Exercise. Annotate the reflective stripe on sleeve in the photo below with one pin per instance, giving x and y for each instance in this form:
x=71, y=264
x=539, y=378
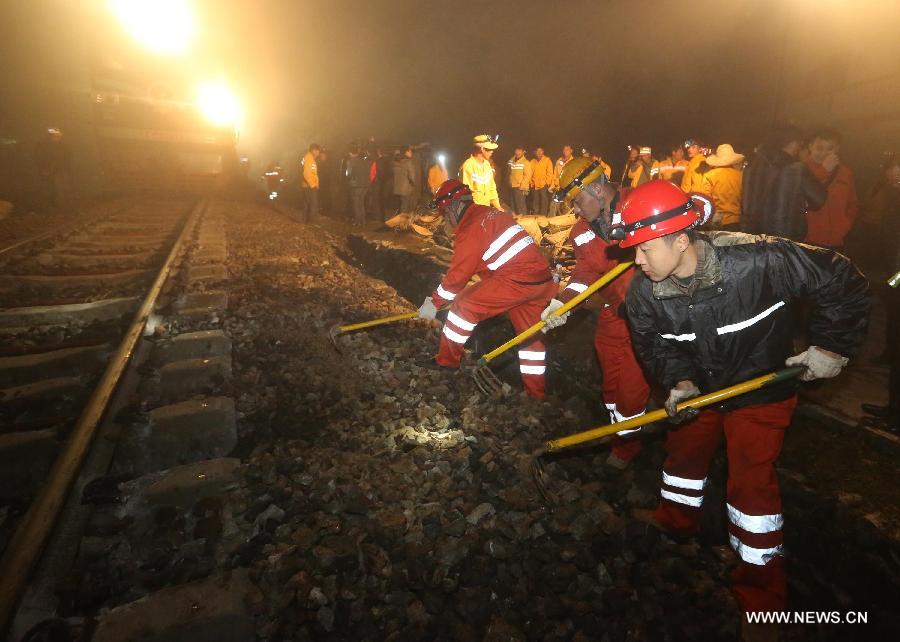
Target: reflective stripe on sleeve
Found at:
x=445, y=294
x=680, y=337
x=514, y=249
x=678, y=498
x=683, y=482
x=532, y=370
x=618, y=417
x=584, y=237
x=578, y=287
x=454, y=336
x=501, y=240
x=734, y=327
x=460, y=322
x=755, y=556
x=755, y=523
x=532, y=355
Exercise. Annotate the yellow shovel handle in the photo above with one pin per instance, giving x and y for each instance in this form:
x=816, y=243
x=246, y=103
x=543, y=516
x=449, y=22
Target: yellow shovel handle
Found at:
x=697, y=402
x=537, y=327
x=369, y=324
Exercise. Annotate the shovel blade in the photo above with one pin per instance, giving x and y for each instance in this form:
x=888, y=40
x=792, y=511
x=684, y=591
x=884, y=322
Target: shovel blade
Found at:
x=333, y=333
x=540, y=478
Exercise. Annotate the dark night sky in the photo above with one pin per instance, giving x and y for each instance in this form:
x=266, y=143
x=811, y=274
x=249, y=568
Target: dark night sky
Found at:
x=598, y=74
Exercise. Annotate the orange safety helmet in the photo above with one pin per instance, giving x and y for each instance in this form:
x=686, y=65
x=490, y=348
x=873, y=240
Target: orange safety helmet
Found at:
x=656, y=209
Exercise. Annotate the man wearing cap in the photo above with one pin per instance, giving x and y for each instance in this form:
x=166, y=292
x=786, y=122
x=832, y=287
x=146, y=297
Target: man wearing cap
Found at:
x=514, y=278
x=478, y=173
x=692, y=181
x=638, y=170
x=519, y=179
x=723, y=183
x=585, y=184
x=710, y=311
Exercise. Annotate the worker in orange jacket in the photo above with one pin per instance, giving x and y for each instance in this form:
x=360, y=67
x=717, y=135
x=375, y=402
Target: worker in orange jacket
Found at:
x=625, y=390
x=672, y=167
x=692, y=181
x=541, y=181
x=723, y=182
x=514, y=277
x=309, y=185
x=828, y=226
x=437, y=174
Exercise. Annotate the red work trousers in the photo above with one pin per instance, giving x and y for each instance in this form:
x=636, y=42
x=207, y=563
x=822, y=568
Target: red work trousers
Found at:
x=625, y=390
x=488, y=298
x=753, y=439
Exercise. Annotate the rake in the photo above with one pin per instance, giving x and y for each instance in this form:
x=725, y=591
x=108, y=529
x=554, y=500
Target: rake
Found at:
x=485, y=378
x=539, y=473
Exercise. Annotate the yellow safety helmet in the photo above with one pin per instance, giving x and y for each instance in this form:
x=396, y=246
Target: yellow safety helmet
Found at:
x=577, y=173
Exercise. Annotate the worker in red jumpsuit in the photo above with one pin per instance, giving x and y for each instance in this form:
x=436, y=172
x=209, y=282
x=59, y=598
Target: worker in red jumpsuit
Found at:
x=515, y=278
x=711, y=310
x=584, y=184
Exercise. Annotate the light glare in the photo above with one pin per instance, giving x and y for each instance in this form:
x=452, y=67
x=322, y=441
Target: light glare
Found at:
x=163, y=26
x=218, y=104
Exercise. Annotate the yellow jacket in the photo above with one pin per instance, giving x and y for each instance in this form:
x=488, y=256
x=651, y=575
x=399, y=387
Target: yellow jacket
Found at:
x=519, y=173
x=557, y=170
x=670, y=169
x=723, y=184
x=606, y=168
x=635, y=176
x=692, y=181
x=541, y=172
x=478, y=174
x=436, y=176
x=310, y=171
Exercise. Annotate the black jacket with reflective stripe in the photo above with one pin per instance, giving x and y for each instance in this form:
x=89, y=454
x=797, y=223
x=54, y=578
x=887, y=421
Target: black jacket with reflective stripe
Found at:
x=738, y=324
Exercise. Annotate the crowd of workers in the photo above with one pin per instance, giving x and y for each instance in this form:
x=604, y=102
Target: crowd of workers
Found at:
x=710, y=307
x=731, y=250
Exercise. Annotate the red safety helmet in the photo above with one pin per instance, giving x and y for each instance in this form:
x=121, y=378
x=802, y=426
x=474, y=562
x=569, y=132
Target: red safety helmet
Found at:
x=656, y=209
x=449, y=191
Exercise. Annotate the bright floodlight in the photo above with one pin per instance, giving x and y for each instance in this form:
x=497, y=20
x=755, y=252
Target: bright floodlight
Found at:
x=163, y=26
x=441, y=158
x=217, y=103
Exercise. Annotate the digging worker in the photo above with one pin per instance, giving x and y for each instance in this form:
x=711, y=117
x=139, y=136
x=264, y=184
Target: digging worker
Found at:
x=478, y=173
x=515, y=278
x=710, y=311
x=585, y=184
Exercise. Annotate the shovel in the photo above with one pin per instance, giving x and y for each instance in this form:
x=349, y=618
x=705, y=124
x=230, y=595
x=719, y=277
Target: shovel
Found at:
x=485, y=378
x=540, y=475
x=338, y=330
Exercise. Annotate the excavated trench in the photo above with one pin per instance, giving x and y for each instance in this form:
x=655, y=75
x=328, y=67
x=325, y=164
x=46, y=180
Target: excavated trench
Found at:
x=572, y=372
x=841, y=526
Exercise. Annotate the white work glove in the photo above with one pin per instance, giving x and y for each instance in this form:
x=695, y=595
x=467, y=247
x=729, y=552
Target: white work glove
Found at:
x=427, y=309
x=819, y=363
x=554, y=321
x=682, y=391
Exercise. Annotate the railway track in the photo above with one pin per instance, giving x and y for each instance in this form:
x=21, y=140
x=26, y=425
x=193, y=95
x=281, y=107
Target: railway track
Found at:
x=85, y=364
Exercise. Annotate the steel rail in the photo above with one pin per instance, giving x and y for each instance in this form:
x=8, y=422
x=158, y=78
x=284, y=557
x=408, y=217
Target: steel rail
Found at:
x=57, y=232
x=31, y=536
